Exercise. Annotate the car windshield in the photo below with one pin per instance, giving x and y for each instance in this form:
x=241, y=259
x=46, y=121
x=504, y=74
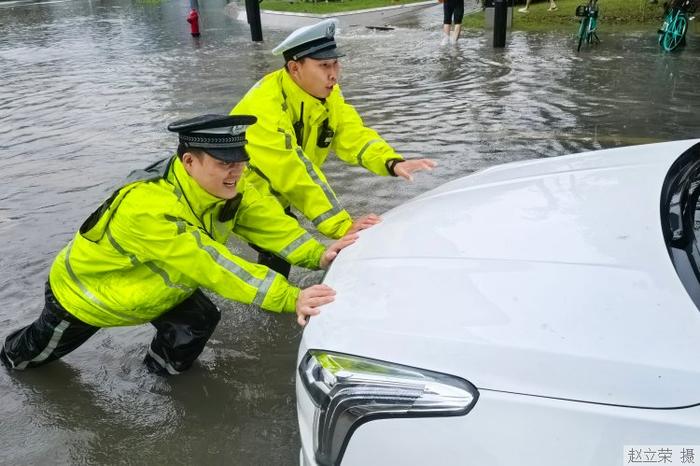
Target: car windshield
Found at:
x=680, y=212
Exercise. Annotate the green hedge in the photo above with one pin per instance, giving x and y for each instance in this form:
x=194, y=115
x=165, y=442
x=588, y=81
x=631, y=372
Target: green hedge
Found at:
x=334, y=6
x=614, y=15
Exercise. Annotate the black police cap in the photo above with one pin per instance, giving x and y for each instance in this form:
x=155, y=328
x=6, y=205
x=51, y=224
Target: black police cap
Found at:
x=221, y=136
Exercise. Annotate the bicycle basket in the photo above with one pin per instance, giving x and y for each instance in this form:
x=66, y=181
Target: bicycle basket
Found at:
x=689, y=6
x=581, y=11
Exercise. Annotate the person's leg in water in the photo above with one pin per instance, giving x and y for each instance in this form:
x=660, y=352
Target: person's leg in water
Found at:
x=448, y=7
x=181, y=334
x=445, y=34
x=55, y=333
x=458, y=16
x=455, y=34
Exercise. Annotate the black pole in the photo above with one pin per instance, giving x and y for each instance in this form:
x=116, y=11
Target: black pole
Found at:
x=252, y=10
x=500, y=22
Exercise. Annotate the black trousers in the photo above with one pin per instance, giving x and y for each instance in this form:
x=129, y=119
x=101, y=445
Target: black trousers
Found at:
x=181, y=334
x=453, y=11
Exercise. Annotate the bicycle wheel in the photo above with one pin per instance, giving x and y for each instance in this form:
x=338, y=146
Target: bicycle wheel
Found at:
x=675, y=32
x=682, y=28
x=591, y=30
x=582, y=31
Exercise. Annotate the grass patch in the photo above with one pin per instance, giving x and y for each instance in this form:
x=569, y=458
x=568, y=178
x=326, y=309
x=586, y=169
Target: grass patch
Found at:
x=322, y=7
x=615, y=15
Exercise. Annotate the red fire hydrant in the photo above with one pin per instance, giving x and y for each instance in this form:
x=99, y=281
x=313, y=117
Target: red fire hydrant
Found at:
x=193, y=19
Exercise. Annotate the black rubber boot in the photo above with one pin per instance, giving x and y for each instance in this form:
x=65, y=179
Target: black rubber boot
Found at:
x=3, y=357
x=181, y=334
x=153, y=367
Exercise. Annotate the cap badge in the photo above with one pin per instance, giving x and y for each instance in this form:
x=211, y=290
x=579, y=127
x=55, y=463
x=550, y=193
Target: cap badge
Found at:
x=330, y=31
x=238, y=129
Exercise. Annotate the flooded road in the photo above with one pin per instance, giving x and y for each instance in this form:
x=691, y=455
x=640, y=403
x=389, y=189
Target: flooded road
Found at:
x=88, y=88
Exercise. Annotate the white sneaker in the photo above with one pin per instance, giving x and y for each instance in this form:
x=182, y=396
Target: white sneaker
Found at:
x=445, y=40
x=522, y=10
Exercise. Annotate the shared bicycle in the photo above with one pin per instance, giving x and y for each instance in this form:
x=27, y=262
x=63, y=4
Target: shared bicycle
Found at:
x=587, y=30
x=676, y=17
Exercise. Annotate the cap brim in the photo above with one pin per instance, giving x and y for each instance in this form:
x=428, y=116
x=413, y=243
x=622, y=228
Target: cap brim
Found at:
x=237, y=154
x=326, y=54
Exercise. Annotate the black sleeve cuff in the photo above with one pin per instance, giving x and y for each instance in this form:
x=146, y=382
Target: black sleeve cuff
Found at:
x=390, y=164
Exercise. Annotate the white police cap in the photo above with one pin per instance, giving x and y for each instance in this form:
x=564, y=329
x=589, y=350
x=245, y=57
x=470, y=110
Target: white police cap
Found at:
x=316, y=41
x=221, y=136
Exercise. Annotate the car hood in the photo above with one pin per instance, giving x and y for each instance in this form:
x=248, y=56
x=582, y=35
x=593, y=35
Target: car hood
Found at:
x=548, y=278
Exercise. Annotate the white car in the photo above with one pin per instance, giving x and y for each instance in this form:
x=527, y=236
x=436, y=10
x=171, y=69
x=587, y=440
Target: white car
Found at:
x=541, y=313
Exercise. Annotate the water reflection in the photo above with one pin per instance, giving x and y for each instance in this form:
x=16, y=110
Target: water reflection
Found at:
x=88, y=88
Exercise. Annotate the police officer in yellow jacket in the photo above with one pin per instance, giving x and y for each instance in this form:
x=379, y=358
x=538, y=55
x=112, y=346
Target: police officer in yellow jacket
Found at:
x=146, y=252
x=302, y=116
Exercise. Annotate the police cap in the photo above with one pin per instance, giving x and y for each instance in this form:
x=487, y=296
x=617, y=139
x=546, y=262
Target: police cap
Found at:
x=316, y=41
x=221, y=136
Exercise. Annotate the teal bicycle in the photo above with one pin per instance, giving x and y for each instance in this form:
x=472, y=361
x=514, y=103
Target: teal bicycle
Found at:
x=587, y=30
x=672, y=33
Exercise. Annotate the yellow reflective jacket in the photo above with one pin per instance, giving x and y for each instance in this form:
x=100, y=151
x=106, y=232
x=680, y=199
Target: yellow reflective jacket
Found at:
x=290, y=168
x=154, y=242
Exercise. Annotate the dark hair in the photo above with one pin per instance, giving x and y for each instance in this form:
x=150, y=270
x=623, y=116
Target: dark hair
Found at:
x=301, y=60
x=182, y=148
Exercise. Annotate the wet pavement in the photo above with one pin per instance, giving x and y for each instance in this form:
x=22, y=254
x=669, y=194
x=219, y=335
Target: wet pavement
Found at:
x=87, y=90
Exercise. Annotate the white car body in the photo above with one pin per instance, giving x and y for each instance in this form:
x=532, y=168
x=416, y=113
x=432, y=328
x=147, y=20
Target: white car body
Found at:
x=547, y=284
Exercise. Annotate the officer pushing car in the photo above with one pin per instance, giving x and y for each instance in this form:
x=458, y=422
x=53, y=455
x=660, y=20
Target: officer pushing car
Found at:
x=302, y=116
x=147, y=252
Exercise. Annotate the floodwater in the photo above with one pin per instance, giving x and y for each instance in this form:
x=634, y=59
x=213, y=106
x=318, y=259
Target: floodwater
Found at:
x=87, y=89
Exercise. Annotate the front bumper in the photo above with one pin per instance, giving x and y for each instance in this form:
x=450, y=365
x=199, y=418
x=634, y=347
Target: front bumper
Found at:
x=507, y=429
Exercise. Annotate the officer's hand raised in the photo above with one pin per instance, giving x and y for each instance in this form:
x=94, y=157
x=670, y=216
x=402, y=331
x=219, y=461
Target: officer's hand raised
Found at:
x=333, y=250
x=310, y=299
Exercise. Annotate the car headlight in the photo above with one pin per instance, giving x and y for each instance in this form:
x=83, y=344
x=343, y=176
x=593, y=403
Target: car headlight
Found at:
x=349, y=391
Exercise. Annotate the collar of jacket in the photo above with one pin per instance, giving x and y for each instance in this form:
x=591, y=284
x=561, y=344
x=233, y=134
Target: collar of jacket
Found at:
x=198, y=198
x=315, y=109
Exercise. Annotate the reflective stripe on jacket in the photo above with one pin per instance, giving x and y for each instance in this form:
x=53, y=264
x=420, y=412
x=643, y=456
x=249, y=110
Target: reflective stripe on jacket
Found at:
x=292, y=170
x=154, y=242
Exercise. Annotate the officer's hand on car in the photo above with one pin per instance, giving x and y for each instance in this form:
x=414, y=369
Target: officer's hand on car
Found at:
x=405, y=168
x=364, y=222
x=332, y=251
x=310, y=299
